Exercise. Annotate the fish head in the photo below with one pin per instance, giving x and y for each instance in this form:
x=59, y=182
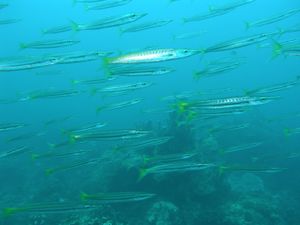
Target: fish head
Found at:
x=185, y=52
x=136, y=16
x=166, y=70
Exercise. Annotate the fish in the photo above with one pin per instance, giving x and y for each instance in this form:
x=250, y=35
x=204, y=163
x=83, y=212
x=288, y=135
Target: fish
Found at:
x=52, y=154
x=48, y=94
x=274, y=88
x=48, y=44
x=74, y=165
x=118, y=105
x=59, y=144
x=272, y=19
x=57, y=120
x=143, y=144
x=14, y=152
x=22, y=137
x=240, y=147
x=287, y=49
x=188, y=35
x=88, y=127
x=232, y=5
x=149, y=56
x=11, y=126
x=79, y=57
x=239, y=42
x=109, y=135
x=229, y=128
x=251, y=169
x=205, y=16
x=3, y=5
x=212, y=70
x=117, y=197
x=123, y=87
x=108, y=22
x=107, y=4
x=57, y=29
x=291, y=131
x=133, y=71
x=93, y=81
x=49, y=207
x=9, y=21
x=28, y=64
x=145, y=26
x=49, y=73
x=169, y=158
x=225, y=103
x=174, y=167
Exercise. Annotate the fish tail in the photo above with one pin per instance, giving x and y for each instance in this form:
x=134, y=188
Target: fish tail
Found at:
x=49, y=171
x=222, y=169
x=248, y=25
x=22, y=46
x=197, y=75
x=64, y=131
x=83, y=196
x=86, y=7
x=184, y=20
x=121, y=32
x=146, y=159
x=221, y=151
x=287, y=132
x=74, y=82
x=51, y=145
x=277, y=49
x=9, y=211
x=34, y=156
x=99, y=109
x=142, y=173
x=107, y=61
x=72, y=138
x=93, y=91
x=74, y=26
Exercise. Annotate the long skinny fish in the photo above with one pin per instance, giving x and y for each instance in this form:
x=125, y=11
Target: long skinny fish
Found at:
x=240, y=147
x=57, y=29
x=133, y=71
x=9, y=21
x=107, y=4
x=148, y=56
x=226, y=103
x=212, y=70
x=48, y=44
x=119, y=105
x=28, y=64
x=79, y=57
x=50, y=207
x=116, y=197
x=175, y=167
x=123, y=87
x=13, y=152
x=109, y=135
x=274, y=88
x=108, y=22
x=76, y=164
x=273, y=19
x=239, y=42
x=145, y=26
x=149, y=142
x=10, y=126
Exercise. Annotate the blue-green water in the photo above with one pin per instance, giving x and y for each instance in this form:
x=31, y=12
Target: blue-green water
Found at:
x=217, y=163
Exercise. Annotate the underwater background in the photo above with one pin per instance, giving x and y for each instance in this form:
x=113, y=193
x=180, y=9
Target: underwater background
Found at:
x=187, y=114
